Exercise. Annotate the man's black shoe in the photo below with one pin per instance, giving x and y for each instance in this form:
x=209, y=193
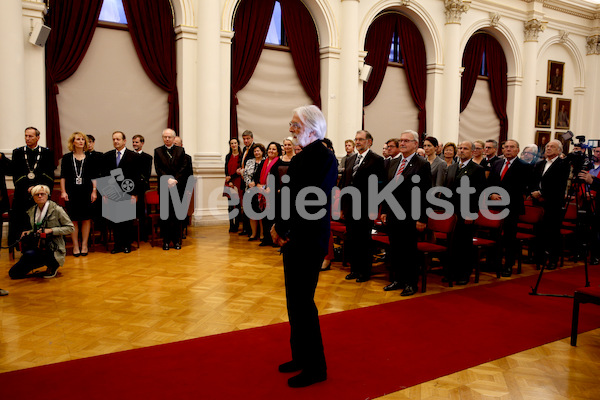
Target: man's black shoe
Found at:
x=393, y=286
x=551, y=266
x=306, y=378
x=351, y=275
x=595, y=261
x=462, y=282
x=507, y=273
x=177, y=246
x=116, y=250
x=408, y=291
x=290, y=366
x=165, y=246
x=363, y=278
x=126, y=250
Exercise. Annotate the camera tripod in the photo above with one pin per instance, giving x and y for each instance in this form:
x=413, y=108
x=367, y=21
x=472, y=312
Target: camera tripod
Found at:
x=574, y=199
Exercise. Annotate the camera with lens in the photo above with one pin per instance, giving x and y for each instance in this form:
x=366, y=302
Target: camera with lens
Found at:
x=34, y=240
x=580, y=160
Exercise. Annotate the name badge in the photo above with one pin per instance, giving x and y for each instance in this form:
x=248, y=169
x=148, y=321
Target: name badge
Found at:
x=79, y=181
x=31, y=175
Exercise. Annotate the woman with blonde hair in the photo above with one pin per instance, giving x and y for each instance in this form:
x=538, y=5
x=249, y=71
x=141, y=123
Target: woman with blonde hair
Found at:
x=78, y=174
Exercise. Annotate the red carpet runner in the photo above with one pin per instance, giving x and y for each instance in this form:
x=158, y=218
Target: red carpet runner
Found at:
x=370, y=351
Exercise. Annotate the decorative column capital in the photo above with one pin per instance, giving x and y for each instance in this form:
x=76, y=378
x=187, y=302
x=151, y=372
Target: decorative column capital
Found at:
x=455, y=9
x=563, y=36
x=404, y=3
x=532, y=29
x=494, y=19
x=593, y=44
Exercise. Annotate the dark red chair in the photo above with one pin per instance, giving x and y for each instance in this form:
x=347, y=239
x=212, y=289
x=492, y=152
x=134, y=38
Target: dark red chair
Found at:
x=532, y=216
x=582, y=295
x=439, y=227
x=153, y=212
x=487, y=237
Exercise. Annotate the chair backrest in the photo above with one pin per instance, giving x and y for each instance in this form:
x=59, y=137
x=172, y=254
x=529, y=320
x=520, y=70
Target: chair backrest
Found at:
x=445, y=225
x=571, y=211
x=533, y=215
x=485, y=222
x=151, y=197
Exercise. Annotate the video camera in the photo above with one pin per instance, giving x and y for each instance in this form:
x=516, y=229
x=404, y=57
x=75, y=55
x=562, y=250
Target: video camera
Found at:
x=34, y=240
x=581, y=160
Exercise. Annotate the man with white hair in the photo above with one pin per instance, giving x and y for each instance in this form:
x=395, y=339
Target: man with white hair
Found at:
x=304, y=242
x=410, y=171
x=529, y=154
x=547, y=189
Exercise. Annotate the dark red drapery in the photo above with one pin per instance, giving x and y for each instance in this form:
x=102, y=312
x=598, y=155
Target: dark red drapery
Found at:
x=497, y=69
x=73, y=24
x=153, y=36
x=304, y=46
x=472, y=64
x=377, y=45
x=251, y=26
x=415, y=65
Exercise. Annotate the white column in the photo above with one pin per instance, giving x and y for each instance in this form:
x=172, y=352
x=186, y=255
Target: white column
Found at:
x=435, y=103
x=12, y=76
x=349, y=114
x=513, y=106
x=186, y=42
x=452, y=69
x=592, y=81
x=34, y=68
x=330, y=60
x=527, y=109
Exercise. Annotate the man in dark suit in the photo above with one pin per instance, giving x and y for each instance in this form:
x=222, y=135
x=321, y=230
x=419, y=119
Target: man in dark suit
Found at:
x=171, y=161
x=460, y=261
x=491, y=155
x=357, y=171
x=304, y=243
x=128, y=161
x=145, y=172
x=408, y=172
x=248, y=139
x=512, y=175
x=189, y=171
x=31, y=165
x=547, y=189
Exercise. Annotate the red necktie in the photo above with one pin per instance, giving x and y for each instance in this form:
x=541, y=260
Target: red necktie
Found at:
x=504, y=170
x=402, y=166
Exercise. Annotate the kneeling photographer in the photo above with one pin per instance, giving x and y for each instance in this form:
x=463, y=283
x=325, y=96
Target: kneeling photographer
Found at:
x=43, y=244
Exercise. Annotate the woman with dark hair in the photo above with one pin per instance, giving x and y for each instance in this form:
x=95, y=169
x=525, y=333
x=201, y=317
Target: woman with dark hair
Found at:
x=250, y=170
x=78, y=173
x=233, y=182
x=449, y=153
x=438, y=167
x=260, y=179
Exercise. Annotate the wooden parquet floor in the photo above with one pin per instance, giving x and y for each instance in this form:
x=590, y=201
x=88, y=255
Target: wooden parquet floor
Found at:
x=219, y=282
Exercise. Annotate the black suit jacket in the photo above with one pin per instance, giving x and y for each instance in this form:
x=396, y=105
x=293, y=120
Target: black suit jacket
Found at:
x=145, y=169
x=44, y=171
x=552, y=184
x=515, y=182
x=130, y=165
x=314, y=166
x=487, y=165
x=417, y=166
x=476, y=175
x=175, y=165
x=372, y=165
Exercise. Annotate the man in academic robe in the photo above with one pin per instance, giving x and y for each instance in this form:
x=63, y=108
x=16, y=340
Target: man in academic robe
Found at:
x=170, y=161
x=145, y=172
x=32, y=165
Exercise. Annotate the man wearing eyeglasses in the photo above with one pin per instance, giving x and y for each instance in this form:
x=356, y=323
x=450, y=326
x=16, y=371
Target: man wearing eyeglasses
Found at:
x=410, y=171
x=490, y=150
x=359, y=167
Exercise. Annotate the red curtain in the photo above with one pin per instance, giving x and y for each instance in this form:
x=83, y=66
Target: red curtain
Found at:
x=73, y=24
x=151, y=29
x=378, y=44
x=497, y=69
x=251, y=26
x=304, y=46
x=415, y=65
x=472, y=64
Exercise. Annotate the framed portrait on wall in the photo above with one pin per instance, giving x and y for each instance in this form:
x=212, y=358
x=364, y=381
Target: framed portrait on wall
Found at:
x=541, y=140
x=543, y=112
x=563, y=114
x=566, y=143
x=556, y=72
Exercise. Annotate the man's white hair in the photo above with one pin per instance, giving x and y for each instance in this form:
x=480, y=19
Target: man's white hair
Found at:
x=313, y=120
x=414, y=134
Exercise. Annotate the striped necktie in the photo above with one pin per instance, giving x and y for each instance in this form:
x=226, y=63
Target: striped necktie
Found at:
x=356, y=164
x=401, y=168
